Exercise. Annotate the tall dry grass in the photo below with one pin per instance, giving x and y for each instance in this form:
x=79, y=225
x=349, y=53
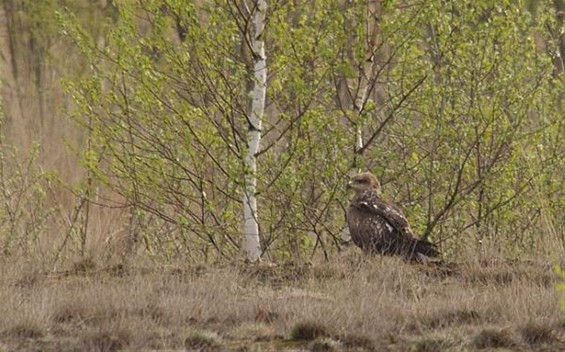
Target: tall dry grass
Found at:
x=351, y=303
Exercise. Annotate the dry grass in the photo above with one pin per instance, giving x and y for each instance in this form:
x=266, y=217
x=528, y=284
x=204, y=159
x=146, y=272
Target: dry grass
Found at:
x=493, y=338
x=351, y=303
x=536, y=333
x=308, y=330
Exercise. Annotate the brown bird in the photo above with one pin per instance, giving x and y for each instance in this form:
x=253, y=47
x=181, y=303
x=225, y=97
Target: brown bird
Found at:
x=377, y=226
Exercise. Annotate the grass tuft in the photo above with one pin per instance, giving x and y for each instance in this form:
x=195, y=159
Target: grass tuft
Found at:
x=308, y=331
x=29, y=280
x=69, y=312
x=278, y=274
x=505, y=273
x=84, y=266
x=23, y=331
x=537, y=333
x=256, y=332
x=490, y=338
x=358, y=342
x=325, y=345
x=203, y=341
x=429, y=345
x=454, y=317
x=263, y=315
x=106, y=340
x=119, y=270
x=153, y=312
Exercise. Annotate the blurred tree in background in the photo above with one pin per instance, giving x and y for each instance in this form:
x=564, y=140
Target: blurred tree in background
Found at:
x=457, y=107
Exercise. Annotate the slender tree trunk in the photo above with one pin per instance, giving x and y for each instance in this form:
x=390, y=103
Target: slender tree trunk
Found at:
x=361, y=92
x=361, y=98
x=251, y=224
x=358, y=105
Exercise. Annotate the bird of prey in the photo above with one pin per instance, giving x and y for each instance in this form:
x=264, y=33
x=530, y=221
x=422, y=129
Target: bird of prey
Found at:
x=377, y=226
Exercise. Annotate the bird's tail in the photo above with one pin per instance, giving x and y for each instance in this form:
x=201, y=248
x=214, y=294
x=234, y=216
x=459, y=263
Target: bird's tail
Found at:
x=426, y=248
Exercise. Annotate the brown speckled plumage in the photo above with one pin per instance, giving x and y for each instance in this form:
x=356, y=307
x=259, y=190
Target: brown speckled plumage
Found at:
x=377, y=226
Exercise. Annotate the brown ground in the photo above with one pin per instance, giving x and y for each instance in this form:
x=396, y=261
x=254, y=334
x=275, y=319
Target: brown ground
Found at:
x=349, y=304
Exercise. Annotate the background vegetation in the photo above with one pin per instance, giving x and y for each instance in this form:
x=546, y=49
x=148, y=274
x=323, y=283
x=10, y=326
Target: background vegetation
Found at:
x=125, y=125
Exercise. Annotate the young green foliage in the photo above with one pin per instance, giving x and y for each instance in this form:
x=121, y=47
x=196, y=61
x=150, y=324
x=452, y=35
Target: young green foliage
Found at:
x=454, y=106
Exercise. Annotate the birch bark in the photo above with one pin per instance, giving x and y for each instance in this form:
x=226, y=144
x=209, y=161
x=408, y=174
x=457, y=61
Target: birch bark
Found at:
x=258, y=93
x=362, y=89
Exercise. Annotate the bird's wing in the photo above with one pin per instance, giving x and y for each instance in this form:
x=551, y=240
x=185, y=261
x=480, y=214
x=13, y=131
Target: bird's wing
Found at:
x=372, y=204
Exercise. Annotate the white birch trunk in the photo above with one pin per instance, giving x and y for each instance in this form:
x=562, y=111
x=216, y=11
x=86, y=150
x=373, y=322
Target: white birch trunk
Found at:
x=360, y=99
x=251, y=224
x=365, y=73
x=359, y=102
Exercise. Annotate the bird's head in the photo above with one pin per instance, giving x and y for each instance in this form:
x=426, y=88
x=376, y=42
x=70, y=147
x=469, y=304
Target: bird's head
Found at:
x=363, y=182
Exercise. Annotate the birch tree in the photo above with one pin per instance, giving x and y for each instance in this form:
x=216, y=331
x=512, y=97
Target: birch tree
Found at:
x=216, y=165
x=369, y=55
x=363, y=29
x=258, y=94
